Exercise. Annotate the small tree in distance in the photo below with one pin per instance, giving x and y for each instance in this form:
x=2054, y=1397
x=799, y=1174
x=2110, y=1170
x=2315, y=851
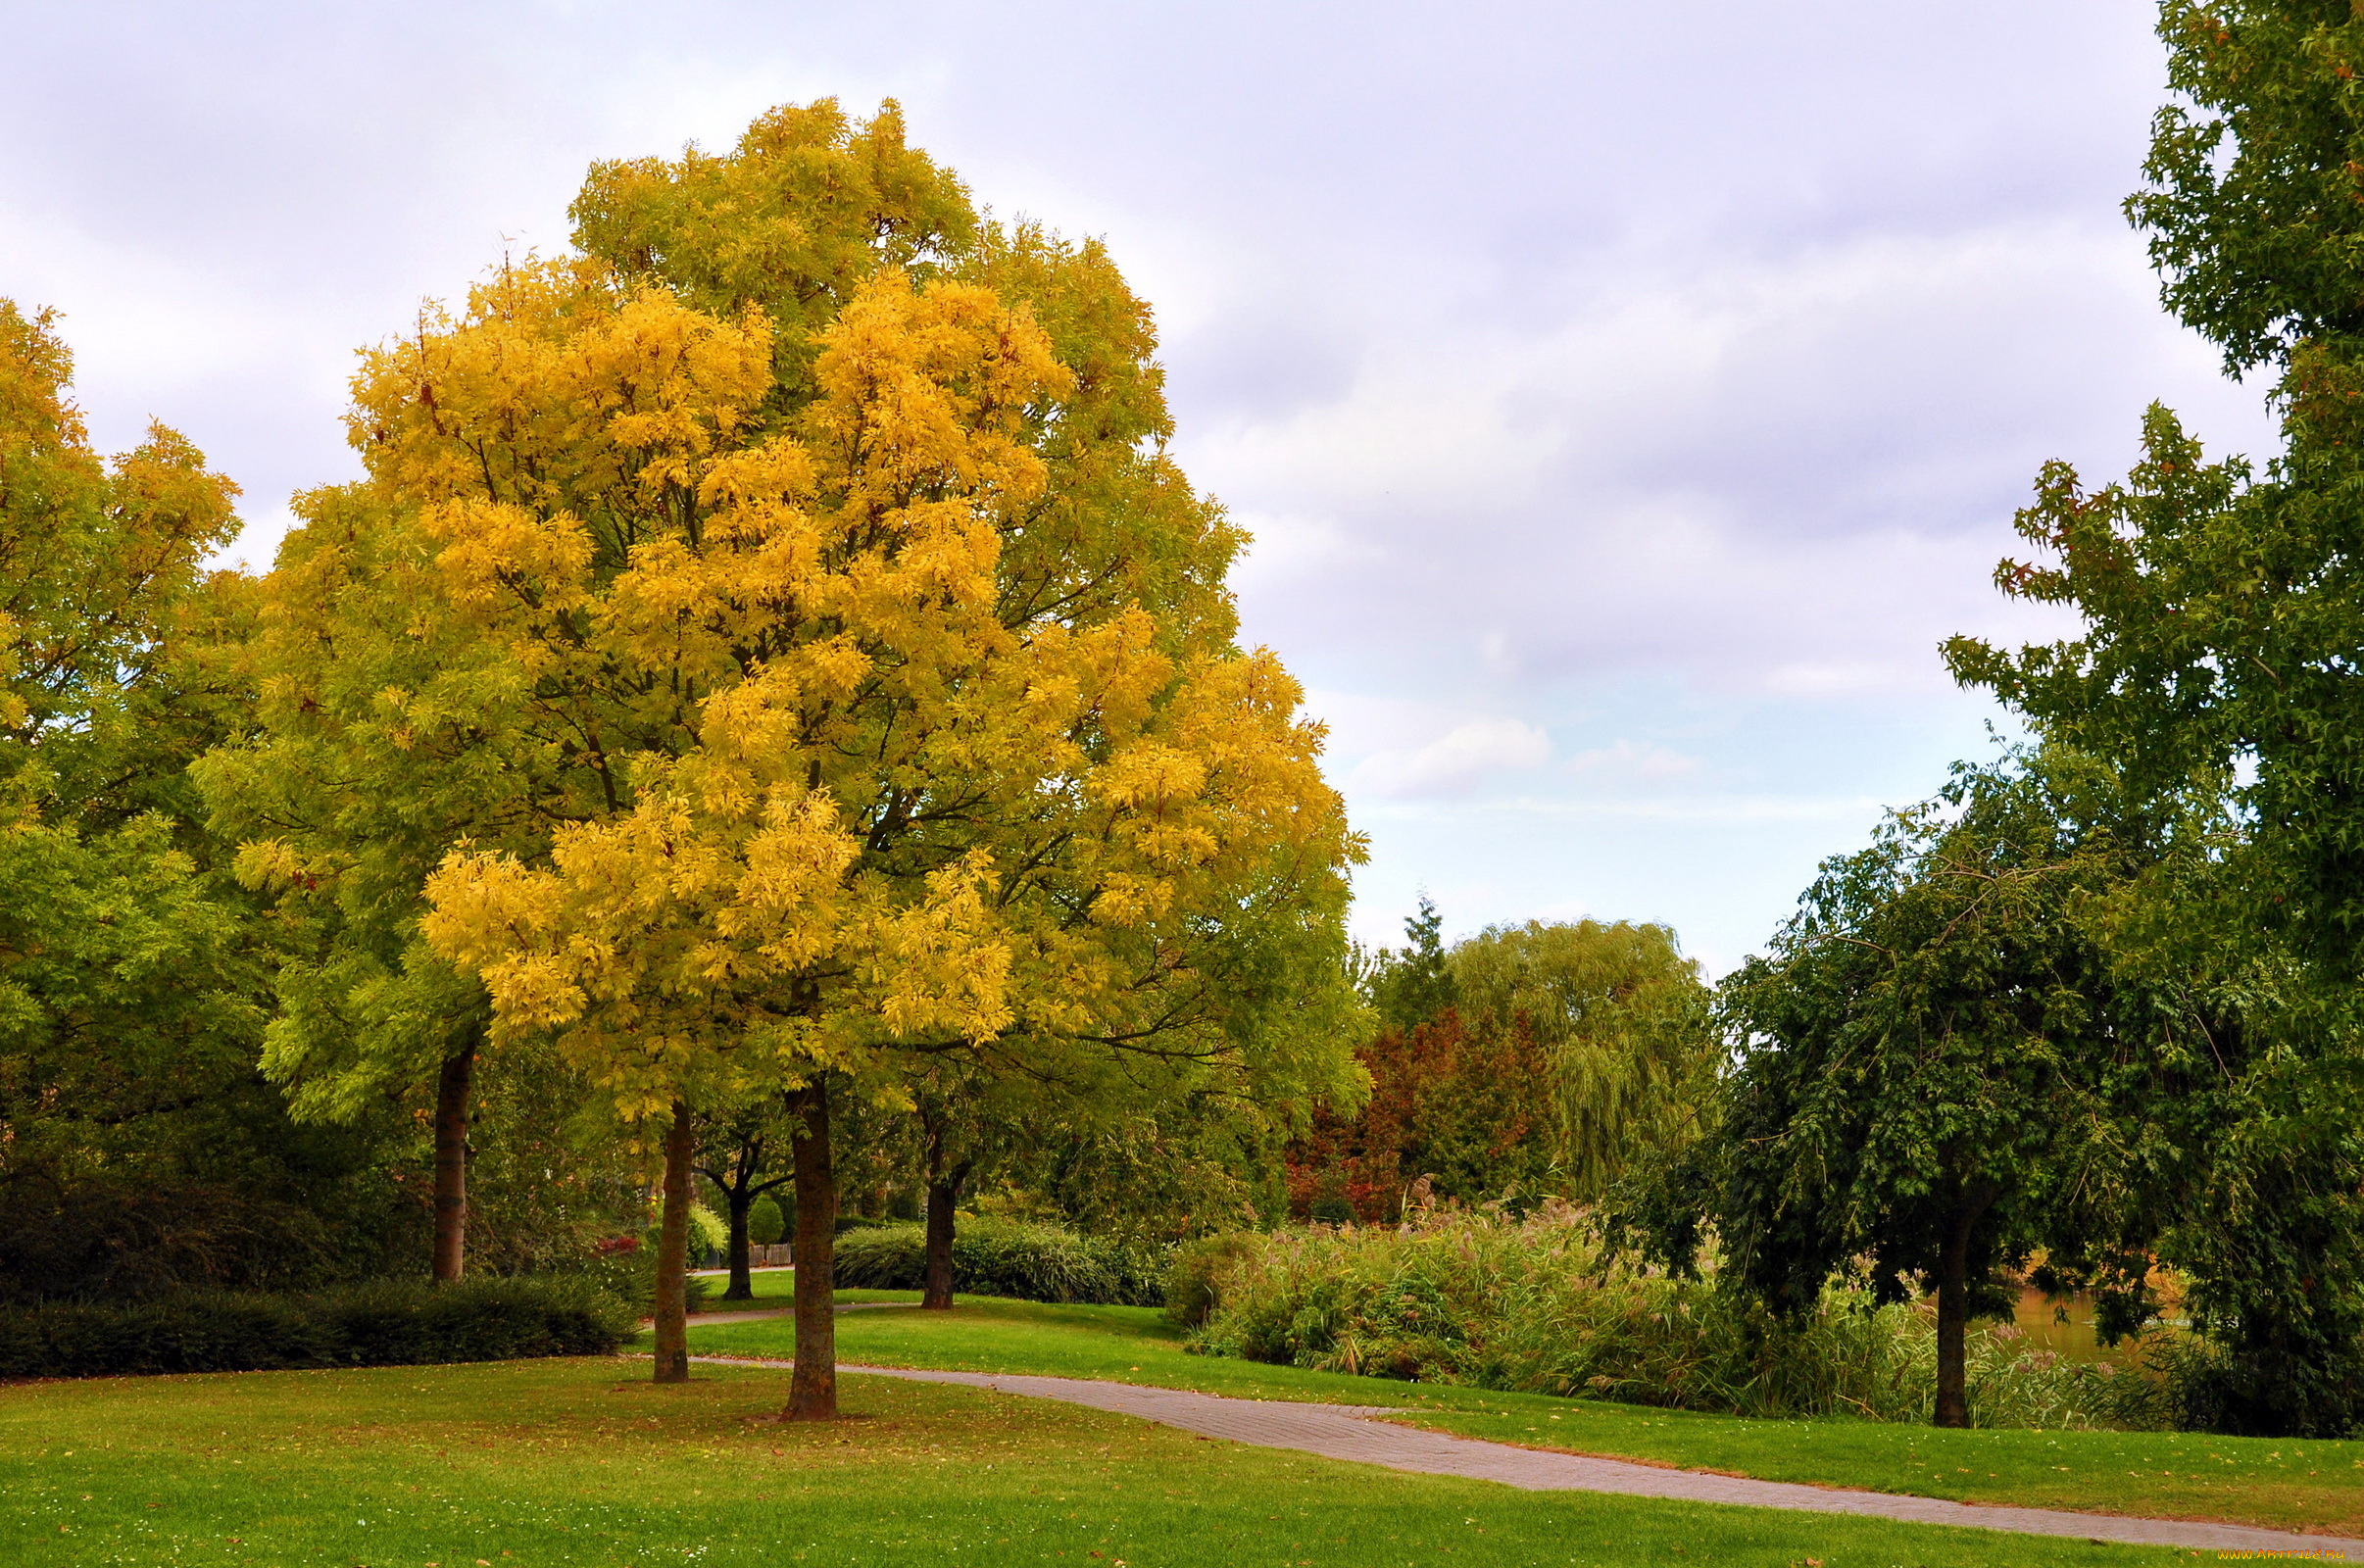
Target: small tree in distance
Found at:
x=1924, y=1055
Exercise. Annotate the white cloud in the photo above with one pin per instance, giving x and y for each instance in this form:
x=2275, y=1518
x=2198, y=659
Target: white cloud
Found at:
x=1454, y=764
x=1626, y=763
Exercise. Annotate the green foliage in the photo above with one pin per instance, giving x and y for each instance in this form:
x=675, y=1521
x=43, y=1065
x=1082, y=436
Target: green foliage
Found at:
x=1621, y=1020
x=2221, y=610
x=1194, y=1274
x=383, y=1324
x=109, y=625
x=629, y=1275
x=1004, y=1258
x=1910, y=1050
x=1538, y=1060
x=141, y=1154
x=2252, y=177
x=1930, y=1057
x=707, y=1231
x=545, y=1184
x=1473, y=1300
x=1410, y=985
x=766, y=1224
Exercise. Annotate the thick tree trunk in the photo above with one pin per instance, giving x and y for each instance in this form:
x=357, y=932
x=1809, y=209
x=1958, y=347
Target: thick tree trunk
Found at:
x=942, y=1195
x=450, y=1162
x=742, y=1281
x=812, y=1387
x=672, y=1251
x=1953, y=1310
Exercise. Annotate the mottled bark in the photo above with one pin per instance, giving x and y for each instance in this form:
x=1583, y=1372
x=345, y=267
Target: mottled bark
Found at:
x=672, y=1251
x=813, y=1386
x=450, y=1162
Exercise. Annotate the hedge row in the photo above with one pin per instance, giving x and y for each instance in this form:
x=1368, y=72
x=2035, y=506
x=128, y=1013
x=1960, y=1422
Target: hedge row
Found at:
x=1003, y=1257
x=384, y=1324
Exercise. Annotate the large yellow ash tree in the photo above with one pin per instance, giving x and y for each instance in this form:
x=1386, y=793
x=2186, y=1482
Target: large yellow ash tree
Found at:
x=389, y=730
x=884, y=678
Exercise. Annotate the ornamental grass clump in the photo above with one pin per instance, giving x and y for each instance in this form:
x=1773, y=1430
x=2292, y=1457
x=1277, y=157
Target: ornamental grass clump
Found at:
x=1479, y=1299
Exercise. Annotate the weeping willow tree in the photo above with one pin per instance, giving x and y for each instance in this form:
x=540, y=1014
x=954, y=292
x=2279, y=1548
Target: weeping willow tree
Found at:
x=1621, y=1021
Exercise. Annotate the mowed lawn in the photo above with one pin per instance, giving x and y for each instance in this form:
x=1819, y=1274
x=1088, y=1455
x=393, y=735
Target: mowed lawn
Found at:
x=526, y=1464
x=2283, y=1484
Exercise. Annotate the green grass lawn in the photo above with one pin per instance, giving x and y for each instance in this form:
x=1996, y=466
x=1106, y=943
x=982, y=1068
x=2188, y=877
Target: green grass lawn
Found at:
x=2284, y=1484
x=775, y=1291
x=528, y=1464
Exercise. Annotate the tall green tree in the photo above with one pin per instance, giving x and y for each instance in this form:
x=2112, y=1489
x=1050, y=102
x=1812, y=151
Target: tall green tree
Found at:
x=380, y=739
x=2223, y=647
x=1923, y=1066
x=137, y=1148
x=1407, y=986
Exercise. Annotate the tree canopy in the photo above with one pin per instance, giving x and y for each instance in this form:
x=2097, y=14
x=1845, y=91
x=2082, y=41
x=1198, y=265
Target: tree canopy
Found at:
x=873, y=708
x=2222, y=652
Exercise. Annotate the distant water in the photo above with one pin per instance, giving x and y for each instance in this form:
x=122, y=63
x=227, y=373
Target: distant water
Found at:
x=2039, y=1320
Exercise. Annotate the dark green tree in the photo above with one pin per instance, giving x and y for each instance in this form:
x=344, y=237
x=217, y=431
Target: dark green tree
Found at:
x=140, y=1150
x=744, y=1153
x=1923, y=1067
x=2223, y=645
x=1407, y=986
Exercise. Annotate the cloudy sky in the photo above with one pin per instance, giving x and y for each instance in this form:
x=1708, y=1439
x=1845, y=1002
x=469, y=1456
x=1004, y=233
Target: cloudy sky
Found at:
x=1625, y=399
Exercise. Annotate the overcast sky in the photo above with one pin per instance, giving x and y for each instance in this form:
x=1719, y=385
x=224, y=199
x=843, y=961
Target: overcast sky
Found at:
x=1625, y=399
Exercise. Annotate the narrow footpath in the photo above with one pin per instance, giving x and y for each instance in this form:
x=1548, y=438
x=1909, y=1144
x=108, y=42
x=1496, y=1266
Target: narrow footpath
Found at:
x=1349, y=1432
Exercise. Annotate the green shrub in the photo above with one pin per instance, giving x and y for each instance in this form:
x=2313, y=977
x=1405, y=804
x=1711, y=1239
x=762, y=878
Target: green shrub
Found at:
x=388, y=1323
x=1490, y=1302
x=1006, y=1258
x=766, y=1224
x=629, y=1275
x=1194, y=1274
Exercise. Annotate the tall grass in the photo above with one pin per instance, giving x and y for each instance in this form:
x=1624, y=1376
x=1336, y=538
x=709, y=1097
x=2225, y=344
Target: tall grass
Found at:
x=1482, y=1301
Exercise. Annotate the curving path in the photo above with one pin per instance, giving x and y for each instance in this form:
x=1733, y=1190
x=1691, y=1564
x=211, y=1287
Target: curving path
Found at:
x=1347, y=1432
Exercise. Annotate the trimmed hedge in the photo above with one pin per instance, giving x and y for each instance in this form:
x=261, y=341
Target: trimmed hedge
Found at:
x=389, y=1323
x=1005, y=1257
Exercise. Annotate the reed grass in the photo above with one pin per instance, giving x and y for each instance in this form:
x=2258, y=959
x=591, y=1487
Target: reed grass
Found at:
x=1481, y=1300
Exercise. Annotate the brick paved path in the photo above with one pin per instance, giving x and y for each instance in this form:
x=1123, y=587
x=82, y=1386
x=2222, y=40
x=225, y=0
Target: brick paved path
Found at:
x=1347, y=1432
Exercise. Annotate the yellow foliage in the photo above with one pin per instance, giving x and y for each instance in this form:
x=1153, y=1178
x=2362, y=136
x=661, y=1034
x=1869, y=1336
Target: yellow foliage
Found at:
x=895, y=685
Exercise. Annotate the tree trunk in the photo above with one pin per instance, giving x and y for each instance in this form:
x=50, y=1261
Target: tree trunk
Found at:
x=742, y=1281
x=812, y=1387
x=942, y=1195
x=672, y=1251
x=1954, y=1309
x=450, y=1162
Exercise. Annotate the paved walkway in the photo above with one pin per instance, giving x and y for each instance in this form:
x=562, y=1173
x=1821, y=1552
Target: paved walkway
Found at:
x=1347, y=1432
